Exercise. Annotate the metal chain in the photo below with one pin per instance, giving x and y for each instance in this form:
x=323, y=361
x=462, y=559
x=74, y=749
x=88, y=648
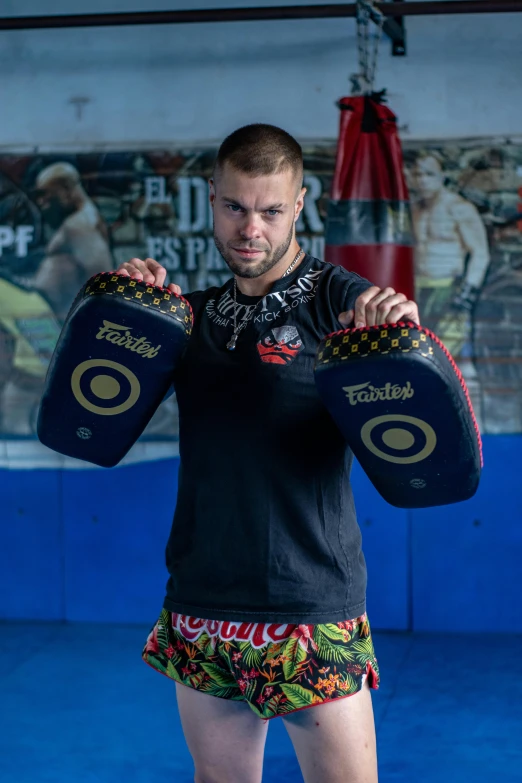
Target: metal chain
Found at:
x=231, y=345
x=376, y=42
x=361, y=21
x=363, y=82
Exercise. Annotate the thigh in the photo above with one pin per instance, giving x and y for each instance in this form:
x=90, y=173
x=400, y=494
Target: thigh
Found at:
x=335, y=741
x=225, y=738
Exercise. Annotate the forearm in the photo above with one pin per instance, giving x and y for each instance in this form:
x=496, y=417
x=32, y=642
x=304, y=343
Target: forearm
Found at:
x=477, y=266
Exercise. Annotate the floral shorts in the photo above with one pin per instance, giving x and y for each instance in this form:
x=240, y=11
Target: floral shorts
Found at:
x=276, y=669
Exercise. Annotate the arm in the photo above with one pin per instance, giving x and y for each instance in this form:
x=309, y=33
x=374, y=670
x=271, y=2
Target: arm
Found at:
x=57, y=243
x=473, y=236
x=357, y=303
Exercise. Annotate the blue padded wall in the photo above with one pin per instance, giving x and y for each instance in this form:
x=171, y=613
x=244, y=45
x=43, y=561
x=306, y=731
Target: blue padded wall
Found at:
x=89, y=545
x=31, y=545
x=116, y=526
x=467, y=558
x=386, y=543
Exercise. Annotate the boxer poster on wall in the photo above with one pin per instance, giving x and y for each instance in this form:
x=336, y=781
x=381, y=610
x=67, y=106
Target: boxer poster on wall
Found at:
x=65, y=217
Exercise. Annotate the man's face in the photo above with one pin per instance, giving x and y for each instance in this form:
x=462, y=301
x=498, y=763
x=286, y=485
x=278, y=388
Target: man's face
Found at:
x=429, y=177
x=254, y=218
x=49, y=192
x=55, y=201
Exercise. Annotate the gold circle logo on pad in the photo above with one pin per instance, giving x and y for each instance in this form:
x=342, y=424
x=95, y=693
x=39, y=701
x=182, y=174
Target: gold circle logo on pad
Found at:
x=105, y=387
x=399, y=438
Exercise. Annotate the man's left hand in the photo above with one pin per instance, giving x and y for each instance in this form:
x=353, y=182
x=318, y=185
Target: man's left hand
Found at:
x=380, y=306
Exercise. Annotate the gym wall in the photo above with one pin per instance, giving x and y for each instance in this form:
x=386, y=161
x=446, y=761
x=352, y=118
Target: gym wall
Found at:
x=139, y=112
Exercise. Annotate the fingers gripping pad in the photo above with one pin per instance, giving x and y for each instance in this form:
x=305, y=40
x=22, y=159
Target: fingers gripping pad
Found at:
x=399, y=399
x=111, y=368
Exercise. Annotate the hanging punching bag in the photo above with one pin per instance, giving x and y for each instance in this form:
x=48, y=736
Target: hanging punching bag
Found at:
x=368, y=227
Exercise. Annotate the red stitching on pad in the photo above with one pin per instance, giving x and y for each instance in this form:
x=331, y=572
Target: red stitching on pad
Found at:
x=441, y=345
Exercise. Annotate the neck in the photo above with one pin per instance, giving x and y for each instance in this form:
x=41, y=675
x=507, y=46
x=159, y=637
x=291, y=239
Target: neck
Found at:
x=260, y=286
x=431, y=200
x=79, y=198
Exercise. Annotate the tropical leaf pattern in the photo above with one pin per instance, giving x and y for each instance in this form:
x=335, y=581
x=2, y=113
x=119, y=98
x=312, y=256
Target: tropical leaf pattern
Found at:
x=312, y=665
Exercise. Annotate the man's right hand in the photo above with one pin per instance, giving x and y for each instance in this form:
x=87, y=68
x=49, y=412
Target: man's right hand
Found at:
x=149, y=271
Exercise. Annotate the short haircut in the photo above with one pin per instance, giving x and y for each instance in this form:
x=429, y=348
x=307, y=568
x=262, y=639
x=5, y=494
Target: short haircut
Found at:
x=260, y=150
x=62, y=174
x=430, y=155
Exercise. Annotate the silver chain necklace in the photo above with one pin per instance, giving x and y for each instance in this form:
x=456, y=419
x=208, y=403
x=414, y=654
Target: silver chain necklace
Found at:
x=231, y=345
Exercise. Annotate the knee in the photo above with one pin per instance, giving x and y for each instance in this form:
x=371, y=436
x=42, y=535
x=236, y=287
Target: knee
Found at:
x=210, y=775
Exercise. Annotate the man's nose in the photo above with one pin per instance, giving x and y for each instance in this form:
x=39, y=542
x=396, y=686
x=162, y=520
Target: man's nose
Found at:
x=250, y=226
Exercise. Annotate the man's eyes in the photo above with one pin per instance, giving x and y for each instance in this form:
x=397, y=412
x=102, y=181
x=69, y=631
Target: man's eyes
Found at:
x=236, y=208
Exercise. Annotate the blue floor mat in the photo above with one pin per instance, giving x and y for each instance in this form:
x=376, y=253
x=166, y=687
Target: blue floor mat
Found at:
x=78, y=705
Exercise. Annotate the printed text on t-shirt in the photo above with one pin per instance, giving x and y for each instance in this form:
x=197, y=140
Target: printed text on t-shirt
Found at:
x=268, y=309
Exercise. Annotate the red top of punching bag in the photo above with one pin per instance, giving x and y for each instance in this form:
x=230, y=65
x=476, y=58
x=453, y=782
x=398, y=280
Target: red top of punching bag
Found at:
x=369, y=162
x=369, y=226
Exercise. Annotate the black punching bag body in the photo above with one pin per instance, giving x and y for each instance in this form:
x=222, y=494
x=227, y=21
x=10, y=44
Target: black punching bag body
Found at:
x=369, y=221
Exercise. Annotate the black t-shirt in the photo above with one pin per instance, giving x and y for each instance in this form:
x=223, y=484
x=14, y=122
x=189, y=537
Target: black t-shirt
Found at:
x=265, y=527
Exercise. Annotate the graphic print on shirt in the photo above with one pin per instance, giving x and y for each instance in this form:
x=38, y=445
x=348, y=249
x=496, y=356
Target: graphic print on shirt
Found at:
x=271, y=307
x=280, y=345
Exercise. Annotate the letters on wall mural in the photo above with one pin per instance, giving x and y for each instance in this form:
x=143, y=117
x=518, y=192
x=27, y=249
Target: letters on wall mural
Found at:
x=65, y=217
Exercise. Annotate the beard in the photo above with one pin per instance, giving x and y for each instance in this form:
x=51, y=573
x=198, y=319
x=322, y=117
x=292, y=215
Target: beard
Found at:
x=55, y=213
x=250, y=269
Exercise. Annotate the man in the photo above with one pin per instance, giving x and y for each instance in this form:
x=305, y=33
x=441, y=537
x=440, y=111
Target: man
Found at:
x=451, y=238
x=79, y=248
x=265, y=604
x=451, y=260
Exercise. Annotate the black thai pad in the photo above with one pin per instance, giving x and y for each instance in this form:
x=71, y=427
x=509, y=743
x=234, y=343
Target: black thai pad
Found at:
x=111, y=368
x=400, y=401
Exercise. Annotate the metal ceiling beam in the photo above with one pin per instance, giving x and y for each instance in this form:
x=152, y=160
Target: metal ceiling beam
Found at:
x=329, y=11
x=445, y=7
x=398, y=37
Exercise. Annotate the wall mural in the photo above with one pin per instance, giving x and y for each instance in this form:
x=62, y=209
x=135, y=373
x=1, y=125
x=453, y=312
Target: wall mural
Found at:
x=65, y=217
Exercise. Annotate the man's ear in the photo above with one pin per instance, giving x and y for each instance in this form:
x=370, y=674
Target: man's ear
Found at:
x=299, y=204
x=212, y=192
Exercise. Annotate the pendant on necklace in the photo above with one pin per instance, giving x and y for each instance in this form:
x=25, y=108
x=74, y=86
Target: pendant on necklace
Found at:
x=231, y=345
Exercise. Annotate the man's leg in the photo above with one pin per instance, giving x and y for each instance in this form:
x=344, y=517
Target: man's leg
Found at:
x=335, y=742
x=225, y=738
